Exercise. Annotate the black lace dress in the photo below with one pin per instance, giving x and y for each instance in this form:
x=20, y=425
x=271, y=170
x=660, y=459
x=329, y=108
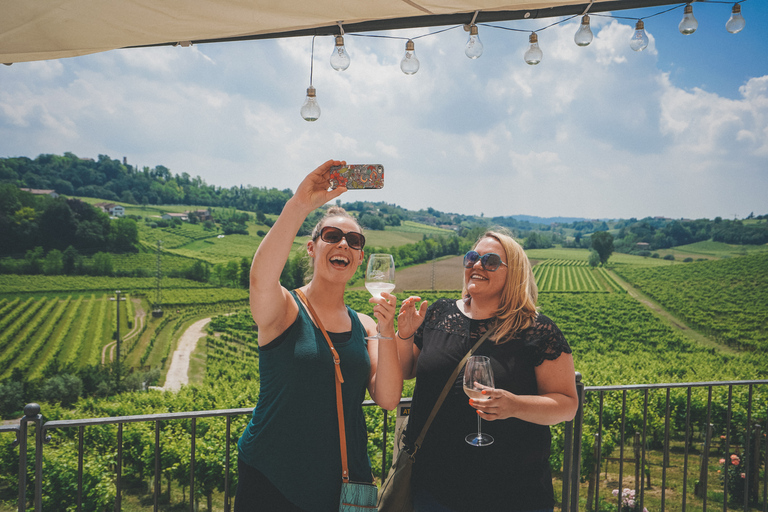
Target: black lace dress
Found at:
x=511, y=474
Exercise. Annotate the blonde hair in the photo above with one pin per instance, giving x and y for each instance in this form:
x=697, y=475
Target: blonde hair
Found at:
x=517, y=304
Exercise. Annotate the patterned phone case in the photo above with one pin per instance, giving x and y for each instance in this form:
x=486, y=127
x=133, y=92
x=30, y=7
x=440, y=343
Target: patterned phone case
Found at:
x=357, y=176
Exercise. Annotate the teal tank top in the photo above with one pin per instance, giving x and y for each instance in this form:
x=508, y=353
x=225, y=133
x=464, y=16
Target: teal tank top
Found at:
x=293, y=434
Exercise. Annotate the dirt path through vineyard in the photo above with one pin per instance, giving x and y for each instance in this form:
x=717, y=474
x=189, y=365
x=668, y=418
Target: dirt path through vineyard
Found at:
x=669, y=318
x=178, y=373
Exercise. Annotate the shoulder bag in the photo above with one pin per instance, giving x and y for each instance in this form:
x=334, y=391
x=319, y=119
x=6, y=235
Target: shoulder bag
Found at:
x=355, y=496
x=396, y=493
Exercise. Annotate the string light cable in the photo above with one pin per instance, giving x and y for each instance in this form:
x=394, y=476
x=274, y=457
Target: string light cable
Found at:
x=473, y=49
x=310, y=111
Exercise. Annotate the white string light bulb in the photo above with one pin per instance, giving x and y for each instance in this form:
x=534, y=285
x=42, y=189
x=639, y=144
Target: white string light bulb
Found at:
x=639, y=40
x=474, y=47
x=584, y=35
x=688, y=24
x=737, y=22
x=534, y=54
x=310, y=111
x=340, y=58
x=410, y=64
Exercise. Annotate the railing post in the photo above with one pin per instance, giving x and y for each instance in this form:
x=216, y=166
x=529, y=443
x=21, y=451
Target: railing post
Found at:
x=572, y=454
x=577, y=442
x=567, y=465
x=21, y=442
x=31, y=414
x=700, y=488
x=385, y=430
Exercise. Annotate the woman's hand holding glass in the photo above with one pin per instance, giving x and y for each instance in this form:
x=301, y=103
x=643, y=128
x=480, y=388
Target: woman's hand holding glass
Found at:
x=478, y=378
x=380, y=281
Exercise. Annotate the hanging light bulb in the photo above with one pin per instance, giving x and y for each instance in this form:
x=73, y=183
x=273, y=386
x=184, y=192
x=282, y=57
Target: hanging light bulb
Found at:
x=340, y=58
x=534, y=54
x=688, y=24
x=737, y=22
x=584, y=35
x=474, y=47
x=310, y=111
x=410, y=64
x=639, y=39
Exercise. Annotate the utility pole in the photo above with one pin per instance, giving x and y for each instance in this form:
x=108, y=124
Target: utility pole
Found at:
x=117, y=334
x=156, y=309
x=433, y=274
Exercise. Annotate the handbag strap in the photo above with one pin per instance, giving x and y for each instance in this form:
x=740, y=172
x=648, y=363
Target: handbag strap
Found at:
x=339, y=380
x=446, y=389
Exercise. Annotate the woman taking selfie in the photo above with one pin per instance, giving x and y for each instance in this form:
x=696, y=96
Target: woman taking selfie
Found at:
x=534, y=387
x=289, y=454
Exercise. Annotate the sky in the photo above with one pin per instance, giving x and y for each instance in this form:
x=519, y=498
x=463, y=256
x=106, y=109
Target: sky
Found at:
x=678, y=130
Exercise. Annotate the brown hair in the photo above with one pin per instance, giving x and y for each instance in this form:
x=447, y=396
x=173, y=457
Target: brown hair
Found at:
x=333, y=211
x=517, y=304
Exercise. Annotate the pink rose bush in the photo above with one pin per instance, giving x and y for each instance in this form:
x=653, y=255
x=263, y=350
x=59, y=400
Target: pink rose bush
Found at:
x=628, y=502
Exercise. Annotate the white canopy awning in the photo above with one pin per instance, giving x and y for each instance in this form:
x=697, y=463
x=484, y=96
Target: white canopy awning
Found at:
x=51, y=29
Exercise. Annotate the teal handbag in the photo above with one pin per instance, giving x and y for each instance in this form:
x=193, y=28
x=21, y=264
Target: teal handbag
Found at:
x=358, y=496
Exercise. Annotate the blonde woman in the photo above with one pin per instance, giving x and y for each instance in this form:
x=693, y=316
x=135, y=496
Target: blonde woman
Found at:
x=289, y=456
x=534, y=387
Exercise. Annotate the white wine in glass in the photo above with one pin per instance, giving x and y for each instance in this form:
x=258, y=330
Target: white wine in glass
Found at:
x=380, y=278
x=478, y=375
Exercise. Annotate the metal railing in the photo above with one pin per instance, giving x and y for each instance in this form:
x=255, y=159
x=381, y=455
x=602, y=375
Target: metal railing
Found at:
x=606, y=418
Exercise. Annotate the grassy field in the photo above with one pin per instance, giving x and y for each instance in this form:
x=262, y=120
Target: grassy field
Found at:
x=712, y=250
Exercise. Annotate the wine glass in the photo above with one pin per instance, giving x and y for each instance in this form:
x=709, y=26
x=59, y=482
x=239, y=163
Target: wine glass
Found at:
x=379, y=278
x=478, y=375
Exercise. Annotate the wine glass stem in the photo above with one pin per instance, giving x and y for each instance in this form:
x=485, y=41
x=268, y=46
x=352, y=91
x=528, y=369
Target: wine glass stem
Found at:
x=479, y=432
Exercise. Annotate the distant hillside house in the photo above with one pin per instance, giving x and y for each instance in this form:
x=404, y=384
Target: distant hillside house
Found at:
x=203, y=215
x=41, y=192
x=169, y=216
x=643, y=246
x=113, y=209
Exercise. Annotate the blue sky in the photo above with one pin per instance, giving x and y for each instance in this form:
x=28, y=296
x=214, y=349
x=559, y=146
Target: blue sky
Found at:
x=678, y=130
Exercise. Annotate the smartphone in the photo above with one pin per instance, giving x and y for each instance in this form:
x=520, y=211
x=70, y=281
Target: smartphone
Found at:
x=357, y=176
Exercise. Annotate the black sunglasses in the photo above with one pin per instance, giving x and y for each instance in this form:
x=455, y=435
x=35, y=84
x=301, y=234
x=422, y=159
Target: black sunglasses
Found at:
x=490, y=261
x=332, y=235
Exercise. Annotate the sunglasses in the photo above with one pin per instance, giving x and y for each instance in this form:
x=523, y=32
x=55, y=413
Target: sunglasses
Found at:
x=490, y=261
x=332, y=235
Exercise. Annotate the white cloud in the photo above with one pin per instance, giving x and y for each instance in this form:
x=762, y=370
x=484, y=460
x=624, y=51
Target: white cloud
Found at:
x=599, y=131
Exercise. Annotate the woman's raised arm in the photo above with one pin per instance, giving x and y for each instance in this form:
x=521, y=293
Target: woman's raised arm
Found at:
x=271, y=304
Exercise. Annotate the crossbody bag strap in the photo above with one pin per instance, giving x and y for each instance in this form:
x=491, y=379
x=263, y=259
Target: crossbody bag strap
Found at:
x=446, y=389
x=339, y=380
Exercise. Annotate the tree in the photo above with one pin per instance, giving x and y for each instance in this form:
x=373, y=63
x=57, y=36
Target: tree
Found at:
x=594, y=258
x=124, y=236
x=64, y=388
x=53, y=264
x=57, y=225
x=373, y=222
x=102, y=264
x=69, y=260
x=537, y=241
x=245, y=273
x=602, y=243
x=199, y=271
